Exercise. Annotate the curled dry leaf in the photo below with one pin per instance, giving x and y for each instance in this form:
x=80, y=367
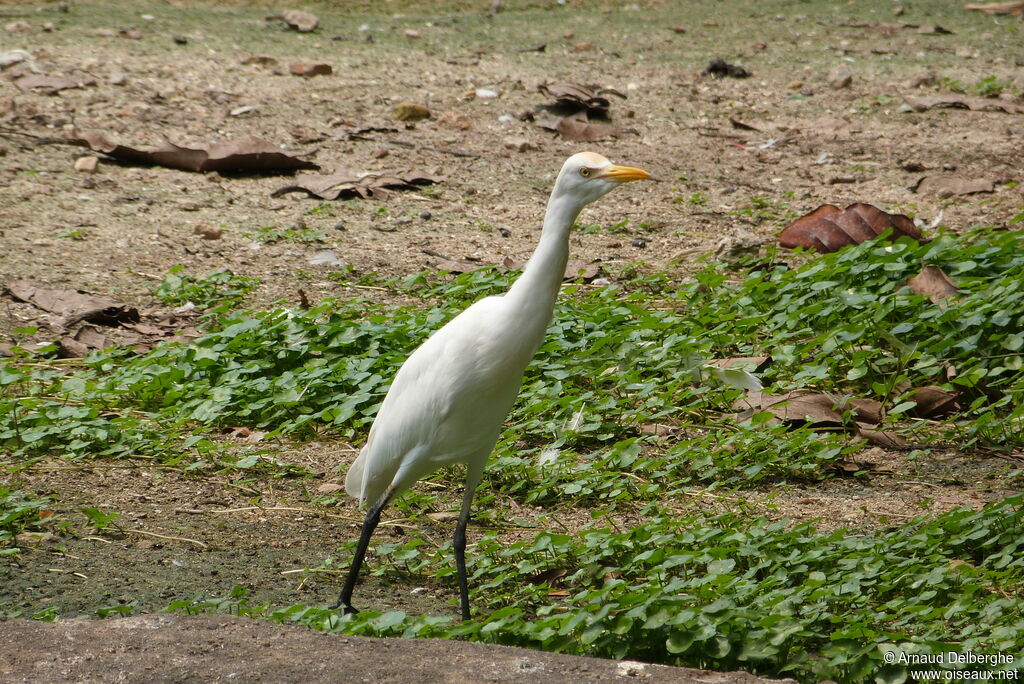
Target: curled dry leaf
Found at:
x=574, y=97
x=574, y=270
x=720, y=68
x=1013, y=7
x=300, y=21
x=797, y=407
x=933, y=402
x=882, y=438
x=50, y=85
x=950, y=101
x=248, y=154
x=410, y=111
x=579, y=112
x=261, y=60
x=310, y=69
x=933, y=283
x=571, y=128
x=73, y=305
x=86, y=340
x=822, y=412
x=346, y=184
x=951, y=186
x=829, y=228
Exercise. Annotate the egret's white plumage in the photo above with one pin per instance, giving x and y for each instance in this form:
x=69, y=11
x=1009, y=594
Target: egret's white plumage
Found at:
x=449, y=399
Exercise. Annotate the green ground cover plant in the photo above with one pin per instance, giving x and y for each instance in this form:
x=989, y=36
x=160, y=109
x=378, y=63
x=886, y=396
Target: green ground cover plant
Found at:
x=723, y=591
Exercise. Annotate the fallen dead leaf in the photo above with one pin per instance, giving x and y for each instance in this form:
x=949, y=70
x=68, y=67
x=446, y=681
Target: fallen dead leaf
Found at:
x=933, y=402
x=797, y=407
x=720, y=68
x=933, y=283
x=297, y=20
x=579, y=112
x=310, y=69
x=86, y=164
x=410, y=111
x=574, y=129
x=1014, y=7
x=261, y=60
x=951, y=186
x=50, y=85
x=345, y=184
x=950, y=101
x=574, y=270
x=581, y=270
x=248, y=154
x=829, y=228
x=866, y=411
x=86, y=340
x=456, y=120
x=882, y=438
x=73, y=305
x=574, y=97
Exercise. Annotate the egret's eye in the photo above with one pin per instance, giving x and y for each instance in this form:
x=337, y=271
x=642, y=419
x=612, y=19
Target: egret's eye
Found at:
x=585, y=172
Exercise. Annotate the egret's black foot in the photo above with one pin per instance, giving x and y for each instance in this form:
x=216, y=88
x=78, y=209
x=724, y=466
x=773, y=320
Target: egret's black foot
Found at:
x=346, y=608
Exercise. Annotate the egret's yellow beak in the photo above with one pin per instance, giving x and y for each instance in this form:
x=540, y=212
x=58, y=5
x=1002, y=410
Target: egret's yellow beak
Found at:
x=622, y=174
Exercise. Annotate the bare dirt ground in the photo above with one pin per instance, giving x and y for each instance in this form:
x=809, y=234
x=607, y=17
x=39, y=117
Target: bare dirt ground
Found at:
x=227, y=649
x=736, y=159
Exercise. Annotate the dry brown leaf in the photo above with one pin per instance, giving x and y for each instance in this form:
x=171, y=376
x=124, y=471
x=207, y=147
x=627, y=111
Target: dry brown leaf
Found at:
x=297, y=20
x=720, y=68
x=829, y=228
x=248, y=154
x=574, y=97
x=583, y=131
x=574, y=270
x=797, y=407
x=579, y=112
x=454, y=119
x=581, y=270
x=1014, y=7
x=50, y=85
x=933, y=283
x=951, y=186
x=310, y=69
x=260, y=60
x=86, y=340
x=865, y=411
x=73, y=305
x=882, y=438
x=933, y=402
x=410, y=111
x=951, y=101
x=458, y=266
x=345, y=184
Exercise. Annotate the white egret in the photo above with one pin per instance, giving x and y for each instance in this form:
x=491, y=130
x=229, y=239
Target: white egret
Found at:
x=449, y=399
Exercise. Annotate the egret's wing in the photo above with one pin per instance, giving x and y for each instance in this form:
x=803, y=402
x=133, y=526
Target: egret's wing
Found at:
x=446, y=403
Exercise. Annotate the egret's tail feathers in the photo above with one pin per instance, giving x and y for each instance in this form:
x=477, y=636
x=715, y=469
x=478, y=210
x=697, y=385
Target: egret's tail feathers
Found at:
x=354, y=479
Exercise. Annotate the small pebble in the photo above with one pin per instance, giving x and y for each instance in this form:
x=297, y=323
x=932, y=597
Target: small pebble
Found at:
x=425, y=215
x=639, y=242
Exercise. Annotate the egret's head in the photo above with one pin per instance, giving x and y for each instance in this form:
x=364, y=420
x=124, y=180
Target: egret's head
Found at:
x=587, y=176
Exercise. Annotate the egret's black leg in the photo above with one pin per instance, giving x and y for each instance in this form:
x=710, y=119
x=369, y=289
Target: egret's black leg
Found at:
x=369, y=525
x=459, y=544
x=459, y=540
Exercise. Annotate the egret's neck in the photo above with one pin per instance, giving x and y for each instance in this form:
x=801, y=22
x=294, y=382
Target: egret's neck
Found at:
x=538, y=287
